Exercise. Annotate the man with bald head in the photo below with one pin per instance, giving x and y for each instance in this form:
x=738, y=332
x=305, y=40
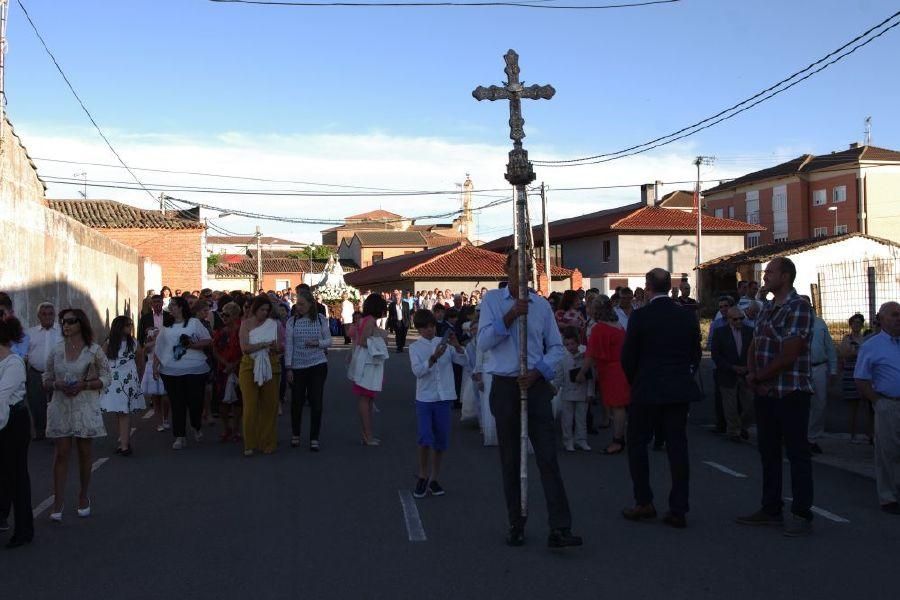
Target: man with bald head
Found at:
x=877, y=377
x=729, y=353
x=660, y=356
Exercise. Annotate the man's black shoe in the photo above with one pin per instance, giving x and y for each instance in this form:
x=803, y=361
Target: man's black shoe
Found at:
x=563, y=538
x=673, y=520
x=640, y=512
x=761, y=517
x=891, y=508
x=435, y=488
x=15, y=542
x=815, y=448
x=515, y=536
x=421, y=488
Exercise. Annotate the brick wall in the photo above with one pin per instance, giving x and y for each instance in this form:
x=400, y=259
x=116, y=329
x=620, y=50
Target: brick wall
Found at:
x=178, y=251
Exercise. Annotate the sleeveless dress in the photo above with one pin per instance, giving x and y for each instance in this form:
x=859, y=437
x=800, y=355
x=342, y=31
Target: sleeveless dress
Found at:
x=124, y=393
x=76, y=416
x=357, y=389
x=605, y=347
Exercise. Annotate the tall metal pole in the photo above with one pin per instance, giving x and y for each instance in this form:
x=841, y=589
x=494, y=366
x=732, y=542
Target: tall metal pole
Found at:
x=546, y=231
x=259, y=269
x=519, y=173
x=700, y=160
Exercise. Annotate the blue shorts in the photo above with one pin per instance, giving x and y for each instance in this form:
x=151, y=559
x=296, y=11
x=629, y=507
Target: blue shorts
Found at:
x=434, y=424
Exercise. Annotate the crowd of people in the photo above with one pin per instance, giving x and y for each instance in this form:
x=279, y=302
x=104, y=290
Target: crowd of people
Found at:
x=628, y=362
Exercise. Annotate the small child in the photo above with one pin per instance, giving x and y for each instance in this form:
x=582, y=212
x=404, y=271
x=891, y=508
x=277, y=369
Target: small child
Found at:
x=573, y=395
x=435, y=393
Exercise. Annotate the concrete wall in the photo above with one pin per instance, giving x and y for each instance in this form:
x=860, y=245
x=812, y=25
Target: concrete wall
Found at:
x=882, y=193
x=178, y=251
x=149, y=276
x=49, y=257
x=585, y=254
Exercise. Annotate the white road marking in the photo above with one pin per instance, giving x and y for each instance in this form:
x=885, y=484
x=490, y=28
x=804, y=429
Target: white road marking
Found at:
x=133, y=429
x=42, y=506
x=149, y=414
x=414, y=528
x=724, y=469
x=824, y=513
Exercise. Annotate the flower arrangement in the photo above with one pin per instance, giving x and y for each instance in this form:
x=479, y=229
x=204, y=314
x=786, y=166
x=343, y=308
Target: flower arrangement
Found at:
x=332, y=293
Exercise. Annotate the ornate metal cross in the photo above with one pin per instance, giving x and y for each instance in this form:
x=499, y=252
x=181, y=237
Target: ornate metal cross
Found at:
x=519, y=170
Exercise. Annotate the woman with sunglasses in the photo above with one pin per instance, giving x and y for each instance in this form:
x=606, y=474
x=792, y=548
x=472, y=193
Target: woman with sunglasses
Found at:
x=180, y=360
x=77, y=373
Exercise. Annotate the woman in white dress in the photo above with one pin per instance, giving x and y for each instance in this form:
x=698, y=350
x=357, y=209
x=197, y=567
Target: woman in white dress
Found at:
x=124, y=395
x=77, y=373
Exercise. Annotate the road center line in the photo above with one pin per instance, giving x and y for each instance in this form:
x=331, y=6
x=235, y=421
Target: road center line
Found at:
x=414, y=528
x=724, y=469
x=824, y=513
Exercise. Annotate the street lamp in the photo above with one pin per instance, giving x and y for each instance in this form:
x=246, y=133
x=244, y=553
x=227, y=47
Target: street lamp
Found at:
x=834, y=209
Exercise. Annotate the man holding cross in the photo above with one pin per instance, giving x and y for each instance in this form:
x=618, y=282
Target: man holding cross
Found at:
x=497, y=332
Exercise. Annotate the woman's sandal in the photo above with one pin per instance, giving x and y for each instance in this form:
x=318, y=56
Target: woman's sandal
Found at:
x=621, y=448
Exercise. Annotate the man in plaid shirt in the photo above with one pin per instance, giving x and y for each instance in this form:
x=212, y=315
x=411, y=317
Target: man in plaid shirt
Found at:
x=780, y=376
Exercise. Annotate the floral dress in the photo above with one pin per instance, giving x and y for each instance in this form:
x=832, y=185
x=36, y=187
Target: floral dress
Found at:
x=124, y=393
x=76, y=416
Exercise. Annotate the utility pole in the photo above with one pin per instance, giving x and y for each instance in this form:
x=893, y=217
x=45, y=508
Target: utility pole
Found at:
x=259, y=269
x=700, y=160
x=546, y=232
x=162, y=202
x=4, y=14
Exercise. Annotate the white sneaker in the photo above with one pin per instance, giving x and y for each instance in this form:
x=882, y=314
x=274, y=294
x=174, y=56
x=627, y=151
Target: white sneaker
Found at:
x=198, y=435
x=583, y=446
x=569, y=448
x=161, y=427
x=179, y=444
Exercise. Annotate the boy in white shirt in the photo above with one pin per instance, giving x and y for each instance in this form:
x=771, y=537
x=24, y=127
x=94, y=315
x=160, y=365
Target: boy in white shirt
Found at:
x=573, y=395
x=435, y=392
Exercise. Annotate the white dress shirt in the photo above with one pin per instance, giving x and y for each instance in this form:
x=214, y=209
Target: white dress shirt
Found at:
x=545, y=348
x=40, y=343
x=12, y=385
x=434, y=383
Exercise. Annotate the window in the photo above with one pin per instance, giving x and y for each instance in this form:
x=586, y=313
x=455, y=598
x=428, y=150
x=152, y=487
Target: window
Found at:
x=730, y=212
x=820, y=232
x=377, y=256
x=282, y=284
x=753, y=208
x=606, y=251
x=780, y=237
x=820, y=197
x=555, y=254
x=840, y=229
x=720, y=212
x=779, y=212
x=839, y=194
x=752, y=240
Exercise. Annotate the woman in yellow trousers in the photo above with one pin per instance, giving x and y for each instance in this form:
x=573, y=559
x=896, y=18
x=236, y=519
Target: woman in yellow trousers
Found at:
x=259, y=376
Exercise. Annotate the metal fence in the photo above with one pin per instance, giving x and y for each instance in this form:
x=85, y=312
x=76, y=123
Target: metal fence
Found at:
x=851, y=287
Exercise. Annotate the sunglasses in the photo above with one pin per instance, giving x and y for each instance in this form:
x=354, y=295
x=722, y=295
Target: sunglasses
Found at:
x=69, y=321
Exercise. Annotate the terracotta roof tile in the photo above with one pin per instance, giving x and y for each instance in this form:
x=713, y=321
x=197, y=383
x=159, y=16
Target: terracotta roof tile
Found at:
x=109, y=214
x=458, y=261
x=402, y=239
x=247, y=266
x=767, y=252
x=677, y=199
x=373, y=215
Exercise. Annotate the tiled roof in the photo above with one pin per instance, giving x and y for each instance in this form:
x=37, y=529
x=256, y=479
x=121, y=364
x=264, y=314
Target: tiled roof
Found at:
x=247, y=266
x=243, y=239
x=767, y=252
x=109, y=214
x=401, y=239
x=430, y=227
x=457, y=261
x=436, y=240
x=631, y=218
x=808, y=163
x=677, y=199
x=374, y=215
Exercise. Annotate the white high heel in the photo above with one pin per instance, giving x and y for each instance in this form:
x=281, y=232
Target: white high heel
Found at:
x=85, y=512
x=57, y=517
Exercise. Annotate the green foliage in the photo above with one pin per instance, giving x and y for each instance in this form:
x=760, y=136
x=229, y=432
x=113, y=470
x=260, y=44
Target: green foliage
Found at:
x=212, y=260
x=313, y=251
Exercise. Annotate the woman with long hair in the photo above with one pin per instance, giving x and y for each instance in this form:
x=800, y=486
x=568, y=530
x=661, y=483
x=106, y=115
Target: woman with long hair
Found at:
x=15, y=435
x=259, y=376
x=166, y=293
x=77, y=373
x=124, y=395
x=604, y=352
x=227, y=350
x=374, y=308
x=179, y=359
x=308, y=335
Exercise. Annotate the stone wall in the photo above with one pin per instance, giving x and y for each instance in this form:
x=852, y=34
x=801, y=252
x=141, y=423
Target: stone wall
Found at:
x=47, y=256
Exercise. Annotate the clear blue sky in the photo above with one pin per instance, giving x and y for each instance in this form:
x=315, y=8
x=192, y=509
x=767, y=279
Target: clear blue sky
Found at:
x=190, y=67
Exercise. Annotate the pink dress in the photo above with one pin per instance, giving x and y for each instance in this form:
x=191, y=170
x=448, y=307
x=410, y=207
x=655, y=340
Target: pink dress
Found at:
x=357, y=389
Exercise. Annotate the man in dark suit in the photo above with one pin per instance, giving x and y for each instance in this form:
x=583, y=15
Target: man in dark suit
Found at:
x=398, y=320
x=155, y=319
x=729, y=353
x=660, y=356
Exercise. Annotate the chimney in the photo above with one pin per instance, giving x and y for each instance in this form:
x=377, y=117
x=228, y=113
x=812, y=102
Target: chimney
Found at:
x=854, y=145
x=648, y=194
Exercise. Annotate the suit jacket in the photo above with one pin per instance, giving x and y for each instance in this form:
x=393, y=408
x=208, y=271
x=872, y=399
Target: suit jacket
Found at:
x=146, y=322
x=726, y=354
x=661, y=353
x=392, y=321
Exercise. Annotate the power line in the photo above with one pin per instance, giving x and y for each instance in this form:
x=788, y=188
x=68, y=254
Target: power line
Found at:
x=443, y=4
x=78, y=98
x=732, y=111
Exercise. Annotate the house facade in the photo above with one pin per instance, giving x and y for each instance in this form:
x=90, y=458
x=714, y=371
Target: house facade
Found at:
x=239, y=244
x=366, y=248
x=853, y=191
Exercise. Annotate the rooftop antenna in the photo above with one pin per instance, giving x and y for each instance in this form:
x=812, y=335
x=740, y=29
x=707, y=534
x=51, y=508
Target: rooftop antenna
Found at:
x=83, y=176
x=868, y=137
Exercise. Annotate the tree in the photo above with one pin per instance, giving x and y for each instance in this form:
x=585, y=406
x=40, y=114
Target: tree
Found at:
x=213, y=259
x=314, y=252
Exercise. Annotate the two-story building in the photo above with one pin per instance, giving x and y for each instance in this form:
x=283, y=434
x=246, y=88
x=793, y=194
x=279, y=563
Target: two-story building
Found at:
x=853, y=191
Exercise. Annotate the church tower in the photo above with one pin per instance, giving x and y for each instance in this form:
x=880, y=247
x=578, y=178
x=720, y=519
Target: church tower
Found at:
x=464, y=223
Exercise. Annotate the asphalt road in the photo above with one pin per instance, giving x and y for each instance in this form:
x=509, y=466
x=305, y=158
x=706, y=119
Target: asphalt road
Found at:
x=208, y=523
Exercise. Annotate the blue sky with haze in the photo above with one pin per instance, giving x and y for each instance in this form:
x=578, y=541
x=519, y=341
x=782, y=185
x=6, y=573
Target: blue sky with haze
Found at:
x=255, y=80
